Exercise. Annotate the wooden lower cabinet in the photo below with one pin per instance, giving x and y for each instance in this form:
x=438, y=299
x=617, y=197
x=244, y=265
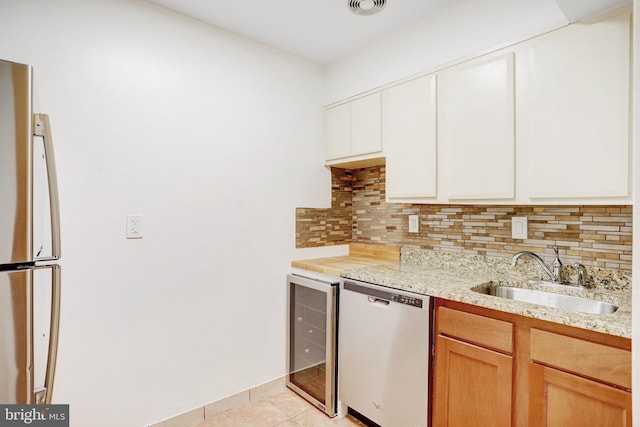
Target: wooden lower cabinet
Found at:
x=473, y=387
x=560, y=399
x=531, y=373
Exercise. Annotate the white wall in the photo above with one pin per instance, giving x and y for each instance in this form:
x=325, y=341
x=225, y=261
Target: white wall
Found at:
x=457, y=31
x=215, y=140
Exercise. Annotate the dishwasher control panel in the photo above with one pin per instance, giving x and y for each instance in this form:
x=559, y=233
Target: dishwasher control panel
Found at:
x=402, y=299
x=384, y=295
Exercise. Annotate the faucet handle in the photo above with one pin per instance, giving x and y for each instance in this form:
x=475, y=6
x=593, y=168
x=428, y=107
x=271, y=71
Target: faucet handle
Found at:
x=557, y=265
x=581, y=273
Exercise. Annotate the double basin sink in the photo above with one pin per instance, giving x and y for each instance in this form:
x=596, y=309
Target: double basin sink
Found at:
x=548, y=299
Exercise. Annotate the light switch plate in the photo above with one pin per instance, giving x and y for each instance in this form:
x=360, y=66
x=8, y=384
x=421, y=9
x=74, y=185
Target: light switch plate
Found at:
x=519, y=227
x=414, y=224
x=134, y=226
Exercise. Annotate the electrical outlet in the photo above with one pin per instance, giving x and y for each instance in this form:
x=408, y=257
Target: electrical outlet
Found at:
x=414, y=224
x=134, y=226
x=519, y=227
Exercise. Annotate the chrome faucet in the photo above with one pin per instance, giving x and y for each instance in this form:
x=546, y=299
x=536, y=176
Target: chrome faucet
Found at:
x=554, y=275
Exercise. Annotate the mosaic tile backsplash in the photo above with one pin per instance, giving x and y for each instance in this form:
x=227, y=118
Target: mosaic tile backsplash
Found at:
x=596, y=236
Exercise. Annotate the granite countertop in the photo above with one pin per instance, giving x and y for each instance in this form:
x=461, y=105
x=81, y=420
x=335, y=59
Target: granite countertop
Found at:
x=452, y=277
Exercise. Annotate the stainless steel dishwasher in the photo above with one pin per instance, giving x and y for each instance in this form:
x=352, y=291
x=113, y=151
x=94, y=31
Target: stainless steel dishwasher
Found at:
x=384, y=354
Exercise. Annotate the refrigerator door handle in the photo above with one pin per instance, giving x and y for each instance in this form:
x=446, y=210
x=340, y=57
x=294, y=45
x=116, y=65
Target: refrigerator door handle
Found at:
x=42, y=128
x=43, y=394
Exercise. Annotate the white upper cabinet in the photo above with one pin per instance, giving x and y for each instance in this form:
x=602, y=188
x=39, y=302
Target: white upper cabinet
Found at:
x=476, y=129
x=365, y=125
x=409, y=137
x=337, y=131
x=352, y=129
x=574, y=114
x=545, y=121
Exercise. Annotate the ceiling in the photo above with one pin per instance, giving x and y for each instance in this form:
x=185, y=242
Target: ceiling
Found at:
x=319, y=30
x=326, y=30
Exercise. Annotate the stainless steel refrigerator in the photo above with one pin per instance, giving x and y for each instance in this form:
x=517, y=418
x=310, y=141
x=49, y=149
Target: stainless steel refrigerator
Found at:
x=29, y=244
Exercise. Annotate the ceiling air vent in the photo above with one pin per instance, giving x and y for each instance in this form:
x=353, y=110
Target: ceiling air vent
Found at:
x=366, y=7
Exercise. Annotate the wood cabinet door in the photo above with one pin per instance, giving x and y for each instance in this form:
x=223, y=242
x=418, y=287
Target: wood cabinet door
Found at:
x=560, y=399
x=473, y=386
x=575, y=111
x=476, y=125
x=409, y=138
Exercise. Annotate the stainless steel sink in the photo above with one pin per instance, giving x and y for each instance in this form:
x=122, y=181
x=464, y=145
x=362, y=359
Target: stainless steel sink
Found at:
x=549, y=299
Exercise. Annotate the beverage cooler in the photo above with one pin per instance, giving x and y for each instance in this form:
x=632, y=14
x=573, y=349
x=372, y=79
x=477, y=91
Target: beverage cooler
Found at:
x=312, y=338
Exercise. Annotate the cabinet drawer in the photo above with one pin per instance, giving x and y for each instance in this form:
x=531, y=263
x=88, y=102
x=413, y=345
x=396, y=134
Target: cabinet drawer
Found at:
x=598, y=361
x=476, y=329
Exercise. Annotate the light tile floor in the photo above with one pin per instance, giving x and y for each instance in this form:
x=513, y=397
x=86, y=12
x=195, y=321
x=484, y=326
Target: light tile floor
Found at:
x=282, y=409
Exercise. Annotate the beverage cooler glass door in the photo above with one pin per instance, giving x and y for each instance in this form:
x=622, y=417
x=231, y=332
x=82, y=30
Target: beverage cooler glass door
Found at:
x=312, y=341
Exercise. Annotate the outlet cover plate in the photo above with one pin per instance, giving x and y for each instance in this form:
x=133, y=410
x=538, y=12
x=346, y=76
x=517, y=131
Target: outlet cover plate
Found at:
x=414, y=224
x=519, y=227
x=134, y=226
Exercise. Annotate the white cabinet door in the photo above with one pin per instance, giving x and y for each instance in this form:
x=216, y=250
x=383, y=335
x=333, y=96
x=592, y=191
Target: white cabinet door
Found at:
x=409, y=137
x=576, y=118
x=476, y=129
x=337, y=131
x=365, y=125
x=353, y=128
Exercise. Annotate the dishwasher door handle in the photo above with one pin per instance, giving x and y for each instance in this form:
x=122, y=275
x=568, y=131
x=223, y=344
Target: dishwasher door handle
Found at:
x=378, y=301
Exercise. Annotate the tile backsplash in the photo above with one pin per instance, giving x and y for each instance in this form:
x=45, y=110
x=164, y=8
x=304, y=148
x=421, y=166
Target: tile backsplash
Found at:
x=596, y=236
